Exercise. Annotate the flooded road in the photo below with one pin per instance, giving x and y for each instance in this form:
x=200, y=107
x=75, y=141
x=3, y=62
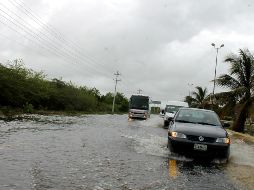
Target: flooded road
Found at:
x=99, y=152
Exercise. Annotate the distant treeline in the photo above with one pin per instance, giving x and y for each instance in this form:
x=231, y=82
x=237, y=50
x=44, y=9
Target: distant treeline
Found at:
x=22, y=88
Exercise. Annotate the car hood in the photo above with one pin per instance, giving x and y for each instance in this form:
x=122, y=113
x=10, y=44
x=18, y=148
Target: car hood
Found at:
x=199, y=129
x=170, y=115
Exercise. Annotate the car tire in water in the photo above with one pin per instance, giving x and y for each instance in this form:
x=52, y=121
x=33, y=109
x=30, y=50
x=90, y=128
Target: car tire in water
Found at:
x=170, y=148
x=226, y=156
x=166, y=124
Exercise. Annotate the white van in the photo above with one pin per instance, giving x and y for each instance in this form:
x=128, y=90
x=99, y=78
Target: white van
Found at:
x=170, y=110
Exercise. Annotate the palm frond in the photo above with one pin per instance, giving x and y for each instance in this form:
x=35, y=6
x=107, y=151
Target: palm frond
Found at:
x=199, y=95
x=227, y=81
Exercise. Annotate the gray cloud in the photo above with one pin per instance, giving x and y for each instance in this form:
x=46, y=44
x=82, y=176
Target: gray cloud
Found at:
x=157, y=45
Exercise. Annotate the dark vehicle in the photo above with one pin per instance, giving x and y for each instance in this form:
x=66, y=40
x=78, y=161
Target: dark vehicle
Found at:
x=139, y=107
x=198, y=132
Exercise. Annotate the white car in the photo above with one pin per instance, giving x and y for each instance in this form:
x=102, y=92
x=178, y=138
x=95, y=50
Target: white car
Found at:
x=170, y=110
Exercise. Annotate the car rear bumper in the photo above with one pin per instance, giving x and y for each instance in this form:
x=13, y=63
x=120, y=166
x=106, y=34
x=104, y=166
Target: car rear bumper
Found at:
x=186, y=147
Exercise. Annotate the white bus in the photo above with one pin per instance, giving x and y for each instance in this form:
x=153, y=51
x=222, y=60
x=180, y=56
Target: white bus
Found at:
x=139, y=107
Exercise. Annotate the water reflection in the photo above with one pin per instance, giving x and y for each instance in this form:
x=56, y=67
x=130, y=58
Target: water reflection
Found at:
x=181, y=165
x=126, y=155
x=39, y=179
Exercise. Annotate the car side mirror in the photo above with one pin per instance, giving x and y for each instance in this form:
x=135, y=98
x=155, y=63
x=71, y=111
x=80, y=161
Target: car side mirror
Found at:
x=163, y=111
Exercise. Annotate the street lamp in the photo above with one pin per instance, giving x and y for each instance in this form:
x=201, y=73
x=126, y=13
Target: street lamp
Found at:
x=217, y=50
x=190, y=85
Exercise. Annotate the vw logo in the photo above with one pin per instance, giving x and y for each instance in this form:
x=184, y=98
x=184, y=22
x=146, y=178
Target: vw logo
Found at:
x=201, y=138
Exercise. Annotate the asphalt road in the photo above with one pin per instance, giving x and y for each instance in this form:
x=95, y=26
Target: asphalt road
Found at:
x=109, y=152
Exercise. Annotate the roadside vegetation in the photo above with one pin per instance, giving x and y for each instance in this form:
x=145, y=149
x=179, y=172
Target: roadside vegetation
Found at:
x=240, y=82
x=236, y=103
x=26, y=91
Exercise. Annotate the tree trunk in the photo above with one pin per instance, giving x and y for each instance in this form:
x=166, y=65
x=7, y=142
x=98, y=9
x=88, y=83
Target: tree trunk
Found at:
x=239, y=123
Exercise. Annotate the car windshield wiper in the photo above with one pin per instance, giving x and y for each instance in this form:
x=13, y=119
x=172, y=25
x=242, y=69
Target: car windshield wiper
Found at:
x=204, y=123
x=183, y=121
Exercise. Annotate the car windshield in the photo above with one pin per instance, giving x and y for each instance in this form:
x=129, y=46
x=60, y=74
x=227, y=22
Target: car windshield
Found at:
x=197, y=116
x=172, y=109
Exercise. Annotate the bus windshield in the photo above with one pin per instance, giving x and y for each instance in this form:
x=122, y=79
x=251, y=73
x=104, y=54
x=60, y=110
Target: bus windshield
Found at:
x=139, y=102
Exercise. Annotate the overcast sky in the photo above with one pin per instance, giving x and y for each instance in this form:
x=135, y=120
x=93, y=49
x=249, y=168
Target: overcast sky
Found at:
x=159, y=46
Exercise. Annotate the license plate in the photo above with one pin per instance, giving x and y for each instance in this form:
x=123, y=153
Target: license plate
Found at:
x=201, y=147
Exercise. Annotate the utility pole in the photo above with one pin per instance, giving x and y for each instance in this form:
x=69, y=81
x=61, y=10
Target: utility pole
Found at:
x=116, y=80
x=139, y=91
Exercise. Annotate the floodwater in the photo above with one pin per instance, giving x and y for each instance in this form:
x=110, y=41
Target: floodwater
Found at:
x=97, y=152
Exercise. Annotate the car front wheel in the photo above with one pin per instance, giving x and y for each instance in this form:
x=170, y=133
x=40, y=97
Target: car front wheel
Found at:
x=226, y=155
x=170, y=147
x=166, y=123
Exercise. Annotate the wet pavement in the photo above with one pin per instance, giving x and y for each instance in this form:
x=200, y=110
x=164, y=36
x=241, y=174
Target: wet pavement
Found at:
x=109, y=152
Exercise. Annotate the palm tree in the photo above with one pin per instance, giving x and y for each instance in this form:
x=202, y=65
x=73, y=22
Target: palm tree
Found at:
x=200, y=96
x=189, y=100
x=240, y=81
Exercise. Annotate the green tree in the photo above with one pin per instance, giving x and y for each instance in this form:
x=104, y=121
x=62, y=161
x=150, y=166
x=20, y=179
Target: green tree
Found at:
x=122, y=102
x=108, y=98
x=23, y=88
x=240, y=82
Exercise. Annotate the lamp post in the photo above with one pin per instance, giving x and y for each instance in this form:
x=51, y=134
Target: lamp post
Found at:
x=190, y=85
x=217, y=50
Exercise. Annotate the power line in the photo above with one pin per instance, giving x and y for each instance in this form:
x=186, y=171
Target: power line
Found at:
x=33, y=41
x=27, y=26
x=54, y=32
x=30, y=39
x=70, y=50
x=132, y=84
x=34, y=35
x=30, y=32
x=66, y=60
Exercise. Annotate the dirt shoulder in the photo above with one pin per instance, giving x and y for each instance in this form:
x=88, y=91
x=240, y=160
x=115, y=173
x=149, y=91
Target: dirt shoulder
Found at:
x=240, y=168
x=241, y=136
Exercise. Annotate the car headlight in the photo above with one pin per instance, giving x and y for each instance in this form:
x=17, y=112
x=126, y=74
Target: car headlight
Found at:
x=223, y=140
x=178, y=135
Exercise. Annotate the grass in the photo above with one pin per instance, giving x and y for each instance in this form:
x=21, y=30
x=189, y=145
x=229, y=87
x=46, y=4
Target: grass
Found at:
x=244, y=136
x=249, y=129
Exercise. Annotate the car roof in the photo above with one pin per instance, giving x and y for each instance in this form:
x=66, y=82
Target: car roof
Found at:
x=176, y=103
x=196, y=109
x=139, y=95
